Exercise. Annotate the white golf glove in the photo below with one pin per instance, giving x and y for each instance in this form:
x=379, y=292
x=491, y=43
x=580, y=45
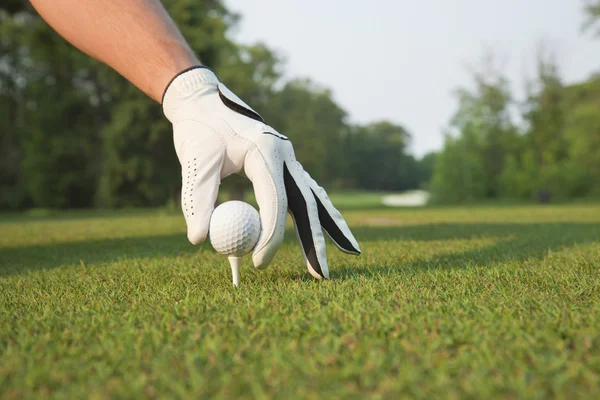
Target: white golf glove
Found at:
x=216, y=134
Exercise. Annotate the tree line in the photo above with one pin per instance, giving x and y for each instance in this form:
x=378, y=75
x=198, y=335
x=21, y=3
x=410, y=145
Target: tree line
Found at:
x=74, y=133
x=544, y=147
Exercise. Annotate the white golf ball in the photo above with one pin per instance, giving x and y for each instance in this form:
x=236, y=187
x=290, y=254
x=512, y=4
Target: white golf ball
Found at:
x=234, y=228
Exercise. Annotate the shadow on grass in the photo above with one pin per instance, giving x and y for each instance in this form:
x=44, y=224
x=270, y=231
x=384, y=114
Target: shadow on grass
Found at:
x=516, y=242
x=19, y=260
x=33, y=216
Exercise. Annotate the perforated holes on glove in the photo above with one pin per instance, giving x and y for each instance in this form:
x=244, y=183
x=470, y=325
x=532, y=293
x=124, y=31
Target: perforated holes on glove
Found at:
x=186, y=188
x=190, y=175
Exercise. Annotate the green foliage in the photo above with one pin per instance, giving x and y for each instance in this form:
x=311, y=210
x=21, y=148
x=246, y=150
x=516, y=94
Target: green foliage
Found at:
x=478, y=303
x=425, y=168
x=459, y=175
x=307, y=114
x=14, y=6
x=483, y=135
x=139, y=165
x=583, y=137
x=556, y=149
x=51, y=140
x=520, y=176
x=592, y=12
x=545, y=117
x=12, y=105
x=12, y=192
x=380, y=147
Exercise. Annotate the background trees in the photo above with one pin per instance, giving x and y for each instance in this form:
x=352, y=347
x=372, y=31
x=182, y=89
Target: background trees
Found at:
x=502, y=148
x=73, y=133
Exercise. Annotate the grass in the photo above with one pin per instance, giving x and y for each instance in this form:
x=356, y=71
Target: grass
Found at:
x=477, y=302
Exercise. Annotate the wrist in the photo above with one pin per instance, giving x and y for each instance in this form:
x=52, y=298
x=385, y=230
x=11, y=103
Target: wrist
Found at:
x=177, y=60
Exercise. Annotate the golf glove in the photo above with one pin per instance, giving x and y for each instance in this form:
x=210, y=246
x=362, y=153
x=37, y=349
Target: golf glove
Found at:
x=216, y=134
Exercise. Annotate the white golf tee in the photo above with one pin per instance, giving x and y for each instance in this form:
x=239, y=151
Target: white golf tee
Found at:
x=235, y=269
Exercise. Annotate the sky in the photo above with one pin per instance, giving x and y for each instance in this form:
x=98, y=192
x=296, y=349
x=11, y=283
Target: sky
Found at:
x=402, y=60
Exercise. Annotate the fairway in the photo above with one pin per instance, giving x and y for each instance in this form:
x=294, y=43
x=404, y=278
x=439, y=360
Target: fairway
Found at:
x=456, y=303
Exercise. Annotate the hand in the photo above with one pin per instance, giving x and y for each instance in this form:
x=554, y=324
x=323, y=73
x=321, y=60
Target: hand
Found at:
x=216, y=134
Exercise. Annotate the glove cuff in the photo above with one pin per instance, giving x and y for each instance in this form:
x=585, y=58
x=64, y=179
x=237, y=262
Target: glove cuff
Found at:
x=187, y=82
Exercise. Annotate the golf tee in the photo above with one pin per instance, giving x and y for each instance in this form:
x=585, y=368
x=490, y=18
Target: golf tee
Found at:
x=235, y=263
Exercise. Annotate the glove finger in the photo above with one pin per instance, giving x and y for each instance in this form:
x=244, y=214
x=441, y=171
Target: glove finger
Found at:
x=201, y=163
x=304, y=211
x=264, y=168
x=332, y=221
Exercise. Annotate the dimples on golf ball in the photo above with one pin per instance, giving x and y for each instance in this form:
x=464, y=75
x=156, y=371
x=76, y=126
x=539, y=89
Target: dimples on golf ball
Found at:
x=234, y=228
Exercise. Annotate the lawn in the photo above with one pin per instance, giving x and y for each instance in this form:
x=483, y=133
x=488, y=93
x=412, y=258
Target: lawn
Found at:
x=456, y=303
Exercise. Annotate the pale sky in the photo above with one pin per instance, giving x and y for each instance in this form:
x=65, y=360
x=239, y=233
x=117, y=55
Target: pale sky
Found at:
x=401, y=60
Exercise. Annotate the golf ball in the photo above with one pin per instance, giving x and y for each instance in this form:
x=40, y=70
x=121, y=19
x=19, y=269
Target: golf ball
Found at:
x=234, y=228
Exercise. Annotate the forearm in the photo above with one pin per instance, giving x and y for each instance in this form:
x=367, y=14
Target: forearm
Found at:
x=137, y=38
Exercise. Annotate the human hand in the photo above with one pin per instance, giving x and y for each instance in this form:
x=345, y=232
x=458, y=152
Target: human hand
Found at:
x=216, y=135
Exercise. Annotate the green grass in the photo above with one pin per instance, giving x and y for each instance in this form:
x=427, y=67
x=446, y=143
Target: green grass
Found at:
x=457, y=303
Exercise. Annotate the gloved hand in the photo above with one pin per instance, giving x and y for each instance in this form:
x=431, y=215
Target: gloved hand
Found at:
x=216, y=134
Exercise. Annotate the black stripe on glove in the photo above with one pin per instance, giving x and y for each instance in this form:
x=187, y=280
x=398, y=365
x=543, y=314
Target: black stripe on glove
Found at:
x=297, y=207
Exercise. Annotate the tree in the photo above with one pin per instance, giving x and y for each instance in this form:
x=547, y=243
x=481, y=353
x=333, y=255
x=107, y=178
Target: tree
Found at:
x=459, y=174
x=556, y=149
x=377, y=158
x=12, y=193
x=51, y=112
x=306, y=113
x=592, y=11
x=482, y=135
x=520, y=176
x=14, y=6
x=545, y=123
x=426, y=166
x=582, y=134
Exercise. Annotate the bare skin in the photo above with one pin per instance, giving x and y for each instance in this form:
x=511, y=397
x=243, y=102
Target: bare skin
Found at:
x=137, y=38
